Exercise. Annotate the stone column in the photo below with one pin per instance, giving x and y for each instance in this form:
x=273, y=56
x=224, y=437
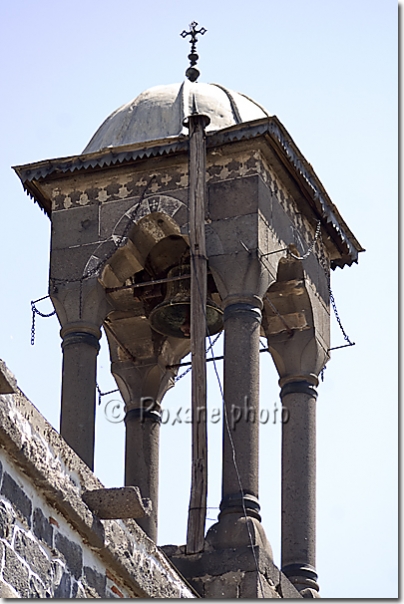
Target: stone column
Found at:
x=298, y=559
x=298, y=338
x=142, y=458
x=239, y=520
x=242, y=321
x=81, y=308
x=143, y=387
x=79, y=375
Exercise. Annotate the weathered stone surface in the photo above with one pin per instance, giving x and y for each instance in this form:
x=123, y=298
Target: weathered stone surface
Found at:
x=81, y=227
x=42, y=527
x=223, y=586
x=233, y=197
x=34, y=556
x=255, y=585
x=16, y=573
x=122, y=502
x=72, y=552
x=218, y=562
x=78, y=590
x=6, y=591
x=7, y=519
x=60, y=476
x=129, y=548
x=17, y=497
x=286, y=589
x=41, y=456
x=70, y=263
x=200, y=569
x=95, y=580
x=8, y=384
x=37, y=588
x=62, y=589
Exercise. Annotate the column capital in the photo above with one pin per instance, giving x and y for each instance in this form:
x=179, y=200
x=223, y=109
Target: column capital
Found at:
x=243, y=303
x=81, y=327
x=309, y=378
x=243, y=298
x=143, y=414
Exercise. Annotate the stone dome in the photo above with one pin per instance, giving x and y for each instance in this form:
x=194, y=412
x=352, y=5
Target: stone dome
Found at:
x=159, y=112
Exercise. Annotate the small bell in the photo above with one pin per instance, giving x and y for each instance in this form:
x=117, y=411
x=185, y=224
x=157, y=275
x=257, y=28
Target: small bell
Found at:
x=173, y=316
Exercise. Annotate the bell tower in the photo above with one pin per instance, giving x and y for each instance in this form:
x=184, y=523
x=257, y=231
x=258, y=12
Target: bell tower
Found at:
x=192, y=211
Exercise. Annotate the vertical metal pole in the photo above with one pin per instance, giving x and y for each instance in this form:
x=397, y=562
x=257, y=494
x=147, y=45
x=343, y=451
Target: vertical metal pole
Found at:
x=197, y=204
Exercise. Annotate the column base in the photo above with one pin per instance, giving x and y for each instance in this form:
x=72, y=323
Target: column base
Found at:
x=232, y=572
x=234, y=530
x=304, y=578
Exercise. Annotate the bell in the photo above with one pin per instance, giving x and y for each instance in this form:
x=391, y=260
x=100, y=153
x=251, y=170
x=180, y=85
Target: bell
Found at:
x=173, y=316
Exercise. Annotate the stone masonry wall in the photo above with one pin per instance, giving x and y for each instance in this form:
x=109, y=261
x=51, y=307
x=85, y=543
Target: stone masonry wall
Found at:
x=51, y=544
x=42, y=556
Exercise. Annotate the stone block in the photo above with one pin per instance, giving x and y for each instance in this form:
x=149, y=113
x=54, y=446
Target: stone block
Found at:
x=62, y=589
x=8, y=383
x=37, y=589
x=17, y=497
x=111, y=214
x=72, y=553
x=121, y=502
x=69, y=264
x=34, y=556
x=78, y=591
x=16, y=573
x=75, y=226
x=7, y=520
x=286, y=589
x=224, y=236
x=7, y=592
x=223, y=586
x=255, y=585
x=219, y=562
x=42, y=527
x=234, y=197
x=95, y=580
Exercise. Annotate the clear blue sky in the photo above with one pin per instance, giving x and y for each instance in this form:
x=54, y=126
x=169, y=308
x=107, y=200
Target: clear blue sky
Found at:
x=328, y=70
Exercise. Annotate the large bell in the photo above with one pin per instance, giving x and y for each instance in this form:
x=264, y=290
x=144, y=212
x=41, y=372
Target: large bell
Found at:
x=173, y=316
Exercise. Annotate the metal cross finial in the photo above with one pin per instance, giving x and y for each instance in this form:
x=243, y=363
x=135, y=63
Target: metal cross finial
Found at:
x=192, y=73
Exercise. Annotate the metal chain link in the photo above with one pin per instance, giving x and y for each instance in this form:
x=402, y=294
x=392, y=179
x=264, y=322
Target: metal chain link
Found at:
x=119, y=243
x=311, y=248
x=184, y=373
x=35, y=312
x=101, y=394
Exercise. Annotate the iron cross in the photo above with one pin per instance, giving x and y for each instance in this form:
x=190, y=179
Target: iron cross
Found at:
x=192, y=73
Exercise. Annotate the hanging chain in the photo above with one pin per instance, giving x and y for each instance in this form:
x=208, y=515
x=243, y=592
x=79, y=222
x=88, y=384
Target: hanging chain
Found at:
x=101, y=394
x=35, y=312
x=120, y=242
x=326, y=269
x=311, y=248
x=184, y=373
x=334, y=307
